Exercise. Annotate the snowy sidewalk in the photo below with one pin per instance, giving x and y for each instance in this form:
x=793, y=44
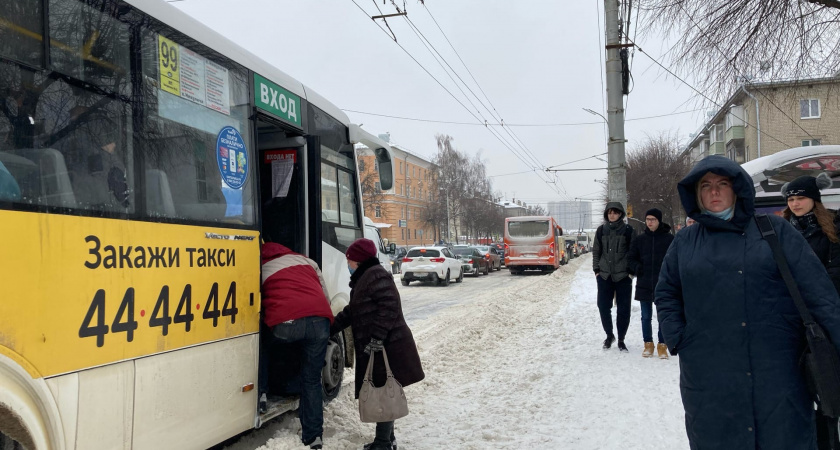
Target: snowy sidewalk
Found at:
x=522, y=368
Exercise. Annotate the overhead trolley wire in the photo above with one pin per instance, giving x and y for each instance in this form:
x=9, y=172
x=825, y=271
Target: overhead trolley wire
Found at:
x=453, y=96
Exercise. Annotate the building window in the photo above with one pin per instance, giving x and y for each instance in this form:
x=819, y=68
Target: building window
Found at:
x=377, y=187
x=377, y=211
x=401, y=169
x=412, y=171
x=415, y=233
x=810, y=142
x=375, y=166
x=402, y=233
x=809, y=108
x=402, y=213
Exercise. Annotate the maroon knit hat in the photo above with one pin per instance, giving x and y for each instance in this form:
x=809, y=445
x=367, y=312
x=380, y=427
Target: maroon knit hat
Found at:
x=361, y=250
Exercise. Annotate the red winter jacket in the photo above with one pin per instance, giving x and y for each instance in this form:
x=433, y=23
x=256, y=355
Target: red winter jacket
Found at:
x=292, y=286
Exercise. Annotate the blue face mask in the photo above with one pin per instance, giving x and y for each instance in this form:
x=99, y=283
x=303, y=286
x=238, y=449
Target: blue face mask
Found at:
x=726, y=214
x=350, y=269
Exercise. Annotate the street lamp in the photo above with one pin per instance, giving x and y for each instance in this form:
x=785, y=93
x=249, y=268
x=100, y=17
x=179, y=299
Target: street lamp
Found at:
x=597, y=114
x=616, y=171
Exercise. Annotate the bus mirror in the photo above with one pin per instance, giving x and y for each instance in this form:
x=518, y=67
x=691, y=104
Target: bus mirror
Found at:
x=386, y=168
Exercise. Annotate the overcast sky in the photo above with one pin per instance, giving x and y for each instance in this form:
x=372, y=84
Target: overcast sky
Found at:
x=539, y=62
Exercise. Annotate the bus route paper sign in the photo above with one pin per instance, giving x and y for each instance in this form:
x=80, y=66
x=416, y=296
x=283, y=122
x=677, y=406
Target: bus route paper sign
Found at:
x=232, y=157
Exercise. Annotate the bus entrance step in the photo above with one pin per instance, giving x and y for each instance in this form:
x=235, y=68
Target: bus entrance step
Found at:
x=277, y=406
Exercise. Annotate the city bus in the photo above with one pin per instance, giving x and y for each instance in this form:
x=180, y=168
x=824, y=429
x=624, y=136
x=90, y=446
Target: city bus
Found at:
x=533, y=243
x=770, y=173
x=142, y=158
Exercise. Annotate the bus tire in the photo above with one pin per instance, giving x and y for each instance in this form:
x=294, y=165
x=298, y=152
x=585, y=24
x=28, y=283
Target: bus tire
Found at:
x=333, y=372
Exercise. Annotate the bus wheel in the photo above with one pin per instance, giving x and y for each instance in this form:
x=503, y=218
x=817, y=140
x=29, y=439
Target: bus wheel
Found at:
x=333, y=371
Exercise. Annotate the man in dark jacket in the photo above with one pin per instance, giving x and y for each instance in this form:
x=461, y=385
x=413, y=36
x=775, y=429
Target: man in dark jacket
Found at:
x=646, y=255
x=609, y=261
x=376, y=318
x=725, y=309
x=296, y=311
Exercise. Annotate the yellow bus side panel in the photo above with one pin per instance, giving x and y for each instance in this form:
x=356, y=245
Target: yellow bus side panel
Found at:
x=79, y=292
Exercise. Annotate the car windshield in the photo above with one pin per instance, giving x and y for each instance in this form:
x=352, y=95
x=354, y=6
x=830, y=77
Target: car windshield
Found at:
x=483, y=249
x=529, y=229
x=427, y=252
x=463, y=251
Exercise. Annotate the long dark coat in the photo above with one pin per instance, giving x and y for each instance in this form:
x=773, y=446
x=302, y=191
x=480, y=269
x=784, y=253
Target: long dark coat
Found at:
x=828, y=252
x=375, y=312
x=724, y=308
x=645, y=259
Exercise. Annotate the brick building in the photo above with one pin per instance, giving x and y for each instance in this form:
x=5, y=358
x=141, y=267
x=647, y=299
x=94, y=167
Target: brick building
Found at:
x=789, y=114
x=400, y=212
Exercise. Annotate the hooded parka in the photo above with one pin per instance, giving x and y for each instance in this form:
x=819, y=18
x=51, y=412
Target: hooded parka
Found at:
x=375, y=312
x=724, y=308
x=612, y=243
x=646, y=254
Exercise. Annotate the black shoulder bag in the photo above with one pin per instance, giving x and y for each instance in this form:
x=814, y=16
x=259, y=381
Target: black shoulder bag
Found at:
x=820, y=361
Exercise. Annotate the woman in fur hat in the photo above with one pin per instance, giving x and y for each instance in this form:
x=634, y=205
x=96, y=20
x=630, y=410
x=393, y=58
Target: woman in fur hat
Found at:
x=817, y=224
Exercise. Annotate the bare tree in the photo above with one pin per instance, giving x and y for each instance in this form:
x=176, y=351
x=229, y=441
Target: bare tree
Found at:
x=722, y=42
x=653, y=170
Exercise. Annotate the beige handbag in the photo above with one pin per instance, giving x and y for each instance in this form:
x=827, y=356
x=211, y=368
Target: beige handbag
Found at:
x=381, y=404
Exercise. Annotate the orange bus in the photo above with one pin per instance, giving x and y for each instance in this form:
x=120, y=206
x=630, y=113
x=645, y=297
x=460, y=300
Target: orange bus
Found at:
x=533, y=243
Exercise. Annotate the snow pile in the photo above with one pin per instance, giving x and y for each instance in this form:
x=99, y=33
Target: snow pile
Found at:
x=521, y=368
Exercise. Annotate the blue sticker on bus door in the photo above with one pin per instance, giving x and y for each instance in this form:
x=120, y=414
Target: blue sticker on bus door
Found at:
x=232, y=157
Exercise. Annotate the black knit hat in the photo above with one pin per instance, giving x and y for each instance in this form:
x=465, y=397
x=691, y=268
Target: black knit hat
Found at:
x=807, y=186
x=655, y=213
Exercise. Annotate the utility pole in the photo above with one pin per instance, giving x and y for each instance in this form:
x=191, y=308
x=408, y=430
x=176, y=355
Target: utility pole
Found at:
x=616, y=163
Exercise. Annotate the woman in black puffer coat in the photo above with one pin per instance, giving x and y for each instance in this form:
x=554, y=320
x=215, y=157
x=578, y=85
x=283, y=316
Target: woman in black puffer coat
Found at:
x=375, y=315
x=725, y=309
x=819, y=226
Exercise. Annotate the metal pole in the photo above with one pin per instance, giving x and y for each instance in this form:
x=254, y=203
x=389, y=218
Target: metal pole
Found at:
x=617, y=171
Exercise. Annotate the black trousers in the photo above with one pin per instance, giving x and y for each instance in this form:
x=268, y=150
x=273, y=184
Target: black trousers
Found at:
x=622, y=292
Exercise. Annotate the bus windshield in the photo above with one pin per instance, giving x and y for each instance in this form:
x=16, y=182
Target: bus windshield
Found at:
x=529, y=229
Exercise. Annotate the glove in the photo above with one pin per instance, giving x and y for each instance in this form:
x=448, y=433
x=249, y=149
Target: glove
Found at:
x=375, y=345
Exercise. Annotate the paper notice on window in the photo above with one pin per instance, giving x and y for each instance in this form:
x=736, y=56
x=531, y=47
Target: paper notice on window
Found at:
x=281, y=177
x=192, y=77
x=218, y=88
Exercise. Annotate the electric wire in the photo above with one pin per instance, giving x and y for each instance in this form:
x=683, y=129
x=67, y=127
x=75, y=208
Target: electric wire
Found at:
x=731, y=63
x=456, y=99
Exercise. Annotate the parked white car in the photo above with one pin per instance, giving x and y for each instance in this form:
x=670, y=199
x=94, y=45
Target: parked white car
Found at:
x=435, y=264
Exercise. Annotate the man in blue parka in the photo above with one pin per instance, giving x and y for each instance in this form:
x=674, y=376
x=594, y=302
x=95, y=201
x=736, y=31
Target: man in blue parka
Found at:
x=725, y=310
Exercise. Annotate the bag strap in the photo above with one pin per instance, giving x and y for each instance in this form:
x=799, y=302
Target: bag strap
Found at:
x=769, y=235
x=369, y=371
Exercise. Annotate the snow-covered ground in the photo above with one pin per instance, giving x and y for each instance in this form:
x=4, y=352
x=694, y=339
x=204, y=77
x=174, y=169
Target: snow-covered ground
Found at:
x=514, y=362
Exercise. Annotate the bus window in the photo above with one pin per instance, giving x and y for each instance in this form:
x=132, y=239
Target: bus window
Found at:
x=536, y=228
x=197, y=136
x=23, y=40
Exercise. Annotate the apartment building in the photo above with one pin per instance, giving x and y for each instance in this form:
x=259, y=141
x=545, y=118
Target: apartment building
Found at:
x=401, y=211
x=761, y=119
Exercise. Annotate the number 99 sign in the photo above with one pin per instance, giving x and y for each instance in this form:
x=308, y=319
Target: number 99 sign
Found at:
x=168, y=57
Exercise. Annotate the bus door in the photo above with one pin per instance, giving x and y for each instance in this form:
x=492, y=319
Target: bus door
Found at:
x=282, y=189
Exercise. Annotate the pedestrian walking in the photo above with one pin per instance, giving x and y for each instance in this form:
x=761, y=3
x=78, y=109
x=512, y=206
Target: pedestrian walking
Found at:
x=819, y=226
x=376, y=319
x=609, y=261
x=646, y=255
x=724, y=308
x=297, y=316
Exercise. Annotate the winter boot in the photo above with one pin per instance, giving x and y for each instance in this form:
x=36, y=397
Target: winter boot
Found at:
x=263, y=403
x=662, y=349
x=378, y=446
x=622, y=347
x=316, y=444
x=608, y=342
x=648, y=351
